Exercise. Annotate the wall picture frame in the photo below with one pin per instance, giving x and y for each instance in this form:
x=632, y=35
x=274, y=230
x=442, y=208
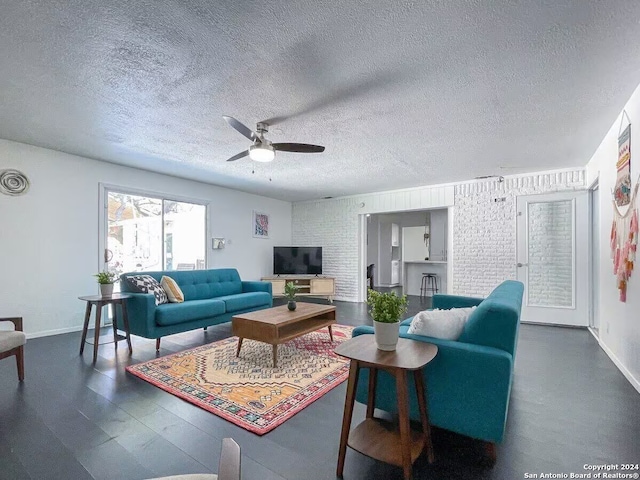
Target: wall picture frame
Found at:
x=622, y=191
x=260, y=225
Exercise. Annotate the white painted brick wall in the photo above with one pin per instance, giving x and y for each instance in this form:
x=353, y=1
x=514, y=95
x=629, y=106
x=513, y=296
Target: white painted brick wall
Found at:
x=484, y=239
x=550, y=254
x=333, y=225
x=484, y=231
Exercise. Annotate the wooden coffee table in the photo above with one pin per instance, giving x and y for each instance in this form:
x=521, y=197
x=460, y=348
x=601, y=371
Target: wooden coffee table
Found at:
x=279, y=325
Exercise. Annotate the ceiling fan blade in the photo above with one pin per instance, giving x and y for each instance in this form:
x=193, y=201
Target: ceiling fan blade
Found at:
x=298, y=147
x=238, y=156
x=242, y=128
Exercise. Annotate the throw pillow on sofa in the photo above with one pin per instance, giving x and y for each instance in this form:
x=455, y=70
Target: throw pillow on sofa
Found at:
x=148, y=284
x=171, y=288
x=445, y=324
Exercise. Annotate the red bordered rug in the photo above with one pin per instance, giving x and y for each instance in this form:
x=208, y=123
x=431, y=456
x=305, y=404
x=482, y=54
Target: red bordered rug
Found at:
x=247, y=390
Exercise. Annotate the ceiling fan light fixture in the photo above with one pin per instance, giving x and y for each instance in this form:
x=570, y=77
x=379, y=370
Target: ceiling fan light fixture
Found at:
x=262, y=153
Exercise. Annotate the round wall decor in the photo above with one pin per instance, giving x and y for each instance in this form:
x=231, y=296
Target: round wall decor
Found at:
x=13, y=182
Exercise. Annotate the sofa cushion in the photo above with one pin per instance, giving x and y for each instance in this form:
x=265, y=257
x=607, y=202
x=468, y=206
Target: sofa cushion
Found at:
x=148, y=284
x=445, y=324
x=242, y=301
x=11, y=339
x=201, y=284
x=174, y=313
x=174, y=294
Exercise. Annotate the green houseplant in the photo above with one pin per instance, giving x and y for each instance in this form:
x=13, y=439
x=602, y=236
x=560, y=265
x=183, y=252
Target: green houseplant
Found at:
x=290, y=290
x=106, y=280
x=386, y=310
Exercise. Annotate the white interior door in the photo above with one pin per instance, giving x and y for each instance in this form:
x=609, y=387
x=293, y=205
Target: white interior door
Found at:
x=552, y=252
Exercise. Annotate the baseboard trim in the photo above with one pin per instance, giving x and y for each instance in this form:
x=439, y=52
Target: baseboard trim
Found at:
x=628, y=375
x=57, y=331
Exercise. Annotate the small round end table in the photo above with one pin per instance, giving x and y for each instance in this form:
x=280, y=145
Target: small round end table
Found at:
x=375, y=437
x=100, y=301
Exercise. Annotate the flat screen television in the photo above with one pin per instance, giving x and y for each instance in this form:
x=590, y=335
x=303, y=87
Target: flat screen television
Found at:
x=297, y=260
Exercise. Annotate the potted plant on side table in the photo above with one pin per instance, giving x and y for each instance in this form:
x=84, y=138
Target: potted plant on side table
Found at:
x=290, y=290
x=106, y=281
x=386, y=310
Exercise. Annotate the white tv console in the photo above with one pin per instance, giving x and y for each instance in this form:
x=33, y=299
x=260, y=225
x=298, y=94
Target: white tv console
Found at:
x=308, y=285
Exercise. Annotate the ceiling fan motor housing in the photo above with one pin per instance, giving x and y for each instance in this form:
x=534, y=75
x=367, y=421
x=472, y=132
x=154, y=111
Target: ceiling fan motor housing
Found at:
x=262, y=128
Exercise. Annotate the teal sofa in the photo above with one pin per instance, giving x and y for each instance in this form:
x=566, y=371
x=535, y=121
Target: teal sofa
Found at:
x=210, y=297
x=468, y=383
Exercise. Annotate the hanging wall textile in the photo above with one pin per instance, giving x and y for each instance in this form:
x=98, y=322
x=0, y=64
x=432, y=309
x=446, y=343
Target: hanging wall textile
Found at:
x=624, y=240
x=622, y=191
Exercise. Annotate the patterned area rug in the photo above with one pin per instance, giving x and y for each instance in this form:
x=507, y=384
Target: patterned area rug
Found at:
x=247, y=390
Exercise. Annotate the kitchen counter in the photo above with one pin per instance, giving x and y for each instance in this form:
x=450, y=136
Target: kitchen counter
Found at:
x=427, y=261
x=412, y=271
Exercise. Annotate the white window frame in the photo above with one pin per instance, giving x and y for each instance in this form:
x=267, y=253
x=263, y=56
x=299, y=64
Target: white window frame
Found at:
x=103, y=218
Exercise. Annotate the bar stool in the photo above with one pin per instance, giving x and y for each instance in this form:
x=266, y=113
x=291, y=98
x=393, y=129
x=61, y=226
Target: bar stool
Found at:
x=429, y=283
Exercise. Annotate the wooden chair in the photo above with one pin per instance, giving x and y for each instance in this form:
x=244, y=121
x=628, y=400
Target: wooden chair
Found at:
x=228, y=469
x=12, y=343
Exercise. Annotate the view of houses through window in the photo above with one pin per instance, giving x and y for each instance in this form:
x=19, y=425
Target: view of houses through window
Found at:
x=147, y=234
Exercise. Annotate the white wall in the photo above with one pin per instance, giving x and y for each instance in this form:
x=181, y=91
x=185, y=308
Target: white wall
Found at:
x=49, y=237
x=484, y=231
x=619, y=322
x=335, y=225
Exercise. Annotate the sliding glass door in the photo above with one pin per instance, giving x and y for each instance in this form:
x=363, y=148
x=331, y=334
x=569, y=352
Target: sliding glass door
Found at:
x=148, y=233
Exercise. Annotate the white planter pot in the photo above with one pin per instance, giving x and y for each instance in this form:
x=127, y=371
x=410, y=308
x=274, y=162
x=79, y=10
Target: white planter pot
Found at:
x=106, y=289
x=386, y=335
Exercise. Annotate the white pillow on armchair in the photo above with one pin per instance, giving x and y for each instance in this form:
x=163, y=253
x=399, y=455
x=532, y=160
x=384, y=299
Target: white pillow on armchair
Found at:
x=445, y=324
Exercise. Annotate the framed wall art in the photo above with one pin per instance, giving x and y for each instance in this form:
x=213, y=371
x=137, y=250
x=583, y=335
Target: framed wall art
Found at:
x=260, y=225
x=622, y=191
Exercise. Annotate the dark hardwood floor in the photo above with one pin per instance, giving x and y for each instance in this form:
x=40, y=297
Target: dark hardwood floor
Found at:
x=70, y=419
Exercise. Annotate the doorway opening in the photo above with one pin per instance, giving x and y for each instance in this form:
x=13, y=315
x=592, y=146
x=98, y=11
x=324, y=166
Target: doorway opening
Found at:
x=400, y=247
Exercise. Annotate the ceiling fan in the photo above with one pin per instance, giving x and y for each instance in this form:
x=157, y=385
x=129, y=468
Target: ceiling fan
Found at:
x=262, y=149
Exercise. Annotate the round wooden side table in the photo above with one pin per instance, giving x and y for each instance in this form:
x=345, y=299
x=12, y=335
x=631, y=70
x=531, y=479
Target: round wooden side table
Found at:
x=375, y=437
x=100, y=301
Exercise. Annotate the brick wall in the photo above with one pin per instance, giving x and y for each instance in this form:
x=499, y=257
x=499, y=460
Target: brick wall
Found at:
x=484, y=231
x=550, y=254
x=333, y=224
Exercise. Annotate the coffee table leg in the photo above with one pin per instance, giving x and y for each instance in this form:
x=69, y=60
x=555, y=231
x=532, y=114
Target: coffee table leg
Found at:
x=275, y=356
x=330, y=334
x=349, y=400
x=85, y=328
x=403, y=419
x=96, y=335
x=424, y=416
x=239, y=346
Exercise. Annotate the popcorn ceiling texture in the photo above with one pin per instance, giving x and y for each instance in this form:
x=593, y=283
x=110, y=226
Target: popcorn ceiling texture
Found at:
x=402, y=93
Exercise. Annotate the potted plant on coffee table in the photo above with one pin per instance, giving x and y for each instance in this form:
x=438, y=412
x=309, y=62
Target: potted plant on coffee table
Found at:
x=290, y=290
x=106, y=281
x=386, y=310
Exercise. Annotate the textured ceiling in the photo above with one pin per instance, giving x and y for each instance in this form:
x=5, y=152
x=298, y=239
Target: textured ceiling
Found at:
x=401, y=93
